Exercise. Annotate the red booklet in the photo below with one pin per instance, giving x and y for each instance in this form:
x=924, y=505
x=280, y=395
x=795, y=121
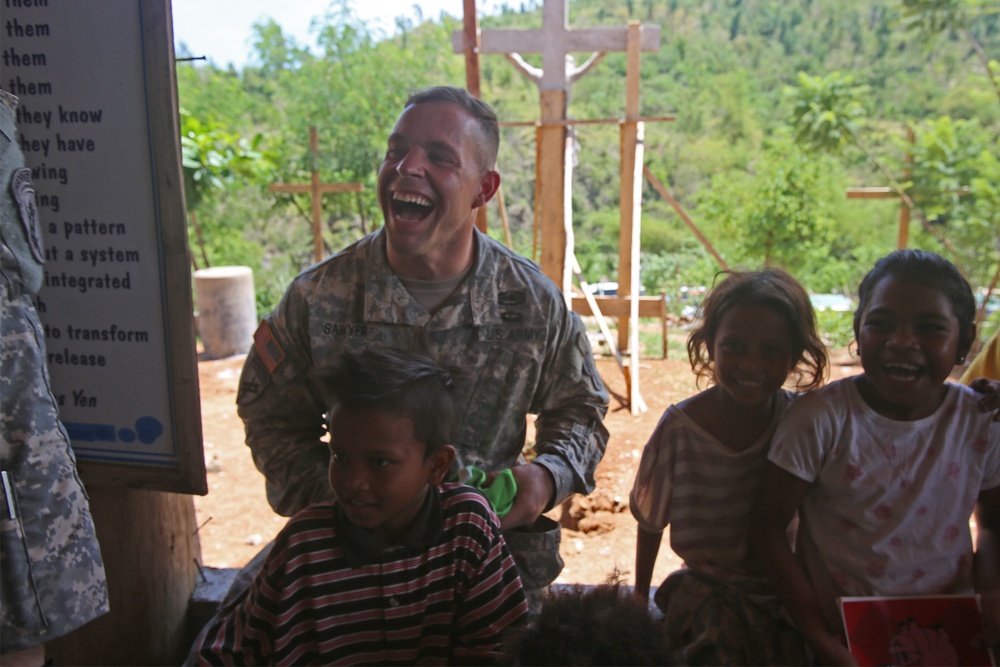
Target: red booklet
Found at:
x=930, y=630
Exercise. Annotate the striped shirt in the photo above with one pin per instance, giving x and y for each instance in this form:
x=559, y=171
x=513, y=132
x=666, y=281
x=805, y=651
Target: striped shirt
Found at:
x=329, y=594
x=704, y=491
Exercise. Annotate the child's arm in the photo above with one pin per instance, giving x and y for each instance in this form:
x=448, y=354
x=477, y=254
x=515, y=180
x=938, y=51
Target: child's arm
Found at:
x=779, y=499
x=650, y=501
x=647, y=546
x=987, y=565
x=990, y=399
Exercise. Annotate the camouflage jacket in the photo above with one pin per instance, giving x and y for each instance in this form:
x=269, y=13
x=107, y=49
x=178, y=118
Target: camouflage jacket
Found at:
x=51, y=572
x=507, y=324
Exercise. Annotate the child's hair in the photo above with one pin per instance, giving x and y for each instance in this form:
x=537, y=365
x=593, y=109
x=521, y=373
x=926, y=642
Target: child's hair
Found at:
x=599, y=625
x=401, y=383
x=777, y=290
x=926, y=268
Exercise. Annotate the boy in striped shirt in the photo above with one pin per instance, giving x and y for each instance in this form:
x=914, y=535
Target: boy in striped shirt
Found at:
x=399, y=569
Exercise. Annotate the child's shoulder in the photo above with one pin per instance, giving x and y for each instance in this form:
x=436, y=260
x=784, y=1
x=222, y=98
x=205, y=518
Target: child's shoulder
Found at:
x=456, y=497
x=833, y=394
x=962, y=399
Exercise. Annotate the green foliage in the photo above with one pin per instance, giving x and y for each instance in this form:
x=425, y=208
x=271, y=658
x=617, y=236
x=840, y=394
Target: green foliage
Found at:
x=937, y=15
x=955, y=179
x=841, y=76
x=836, y=328
x=779, y=213
x=214, y=157
x=826, y=110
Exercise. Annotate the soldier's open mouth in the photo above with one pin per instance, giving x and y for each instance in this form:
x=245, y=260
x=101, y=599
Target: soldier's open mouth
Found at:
x=410, y=208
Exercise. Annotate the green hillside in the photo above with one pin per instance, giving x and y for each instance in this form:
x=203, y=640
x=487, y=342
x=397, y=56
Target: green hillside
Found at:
x=776, y=104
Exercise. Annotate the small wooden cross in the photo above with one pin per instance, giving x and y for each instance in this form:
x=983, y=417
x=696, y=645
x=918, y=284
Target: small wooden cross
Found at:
x=906, y=205
x=316, y=189
x=883, y=192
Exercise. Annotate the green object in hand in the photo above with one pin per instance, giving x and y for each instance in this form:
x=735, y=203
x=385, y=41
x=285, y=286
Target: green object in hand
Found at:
x=500, y=492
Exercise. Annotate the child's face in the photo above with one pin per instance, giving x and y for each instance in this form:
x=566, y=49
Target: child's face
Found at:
x=378, y=471
x=752, y=354
x=909, y=339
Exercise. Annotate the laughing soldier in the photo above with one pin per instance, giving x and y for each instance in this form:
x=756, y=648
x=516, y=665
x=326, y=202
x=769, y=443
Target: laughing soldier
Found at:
x=429, y=282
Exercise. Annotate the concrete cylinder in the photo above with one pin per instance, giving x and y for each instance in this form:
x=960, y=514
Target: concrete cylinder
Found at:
x=227, y=310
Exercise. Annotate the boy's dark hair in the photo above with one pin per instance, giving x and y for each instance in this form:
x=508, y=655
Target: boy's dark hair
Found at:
x=475, y=107
x=926, y=268
x=777, y=290
x=599, y=625
x=404, y=384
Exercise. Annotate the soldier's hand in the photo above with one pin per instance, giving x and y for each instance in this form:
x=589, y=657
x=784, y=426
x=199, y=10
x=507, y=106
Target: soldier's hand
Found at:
x=535, y=489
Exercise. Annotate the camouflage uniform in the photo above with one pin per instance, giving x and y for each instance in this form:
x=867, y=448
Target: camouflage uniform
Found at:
x=51, y=572
x=507, y=324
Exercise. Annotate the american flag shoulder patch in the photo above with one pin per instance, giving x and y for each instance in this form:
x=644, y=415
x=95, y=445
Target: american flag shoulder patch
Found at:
x=268, y=348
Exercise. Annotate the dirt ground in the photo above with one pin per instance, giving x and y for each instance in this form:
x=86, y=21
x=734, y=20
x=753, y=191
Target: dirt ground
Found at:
x=235, y=520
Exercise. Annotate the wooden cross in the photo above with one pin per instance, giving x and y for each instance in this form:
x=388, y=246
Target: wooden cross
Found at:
x=883, y=192
x=555, y=40
x=316, y=190
x=906, y=206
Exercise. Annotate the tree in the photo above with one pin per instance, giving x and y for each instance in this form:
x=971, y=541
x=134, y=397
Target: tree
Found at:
x=825, y=115
x=777, y=214
x=934, y=16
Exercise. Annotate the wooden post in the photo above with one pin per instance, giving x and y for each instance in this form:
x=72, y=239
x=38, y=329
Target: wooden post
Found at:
x=903, y=237
x=317, y=205
x=470, y=24
x=632, y=135
x=315, y=189
x=149, y=544
x=550, y=172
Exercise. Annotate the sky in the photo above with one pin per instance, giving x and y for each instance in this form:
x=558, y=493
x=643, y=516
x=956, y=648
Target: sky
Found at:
x=220, y=29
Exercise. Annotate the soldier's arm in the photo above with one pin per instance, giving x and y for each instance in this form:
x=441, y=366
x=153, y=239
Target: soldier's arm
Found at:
x=283, y=411
x=571, y=404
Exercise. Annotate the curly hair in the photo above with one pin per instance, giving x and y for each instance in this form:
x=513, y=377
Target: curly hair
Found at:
x=772, y=288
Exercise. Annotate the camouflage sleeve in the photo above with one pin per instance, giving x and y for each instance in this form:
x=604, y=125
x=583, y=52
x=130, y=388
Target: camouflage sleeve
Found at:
x=570, y=403
x=283, y=411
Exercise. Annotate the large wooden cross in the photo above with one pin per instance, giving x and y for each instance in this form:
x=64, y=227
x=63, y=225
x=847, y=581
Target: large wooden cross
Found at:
x=555, y=41
x=316, y=190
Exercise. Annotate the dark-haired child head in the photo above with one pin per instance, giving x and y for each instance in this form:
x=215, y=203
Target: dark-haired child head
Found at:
x=599, y=625
x=393, y=420
x=915, y=320
x=926, y=268
x=776, y=291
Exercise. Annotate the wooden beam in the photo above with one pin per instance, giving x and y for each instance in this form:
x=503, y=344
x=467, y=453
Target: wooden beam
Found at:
x=632, y=158
x=587, y=121
x=550, y=172
x=878, y=192
x=503, y=40
x=614, y=306
x=307, y=188
x=659, y=187
x=470, y=46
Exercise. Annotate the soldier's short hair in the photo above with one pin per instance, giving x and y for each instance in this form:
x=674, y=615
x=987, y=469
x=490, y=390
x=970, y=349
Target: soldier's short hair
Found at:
x=481, y=111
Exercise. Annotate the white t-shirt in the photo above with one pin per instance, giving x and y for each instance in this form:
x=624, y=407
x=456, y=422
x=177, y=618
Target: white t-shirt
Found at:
x=888, y=509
